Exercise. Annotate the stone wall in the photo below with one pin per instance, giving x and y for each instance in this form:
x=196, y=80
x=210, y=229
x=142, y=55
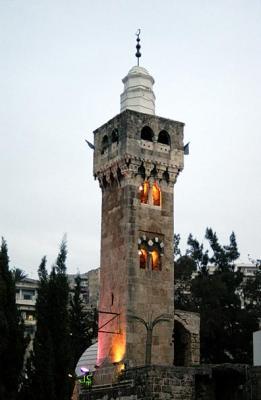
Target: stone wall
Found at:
x=209, y=382
x=146, y=383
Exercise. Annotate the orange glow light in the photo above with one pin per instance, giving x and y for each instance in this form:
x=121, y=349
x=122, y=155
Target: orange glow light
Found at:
x=143, y=258
x=144, y=193
x=118, y=347
x=155, y=260
x=156, y=195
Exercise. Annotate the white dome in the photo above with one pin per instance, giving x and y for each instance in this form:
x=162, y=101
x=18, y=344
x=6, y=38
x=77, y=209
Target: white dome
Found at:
x=87, y=359
x=137, y=69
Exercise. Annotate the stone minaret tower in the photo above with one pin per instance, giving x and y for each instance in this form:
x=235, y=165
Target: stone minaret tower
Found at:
x=137, y=159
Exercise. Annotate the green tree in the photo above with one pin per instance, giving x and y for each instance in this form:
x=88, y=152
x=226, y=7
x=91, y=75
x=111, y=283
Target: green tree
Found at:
x=51, y=357
x=12, y=341
x=226, y=328
x=82, y=324
x=42, y=376
x=58, y=298
x=176, y=242
x=18, y=275
x=252, y=291
x=184, y=267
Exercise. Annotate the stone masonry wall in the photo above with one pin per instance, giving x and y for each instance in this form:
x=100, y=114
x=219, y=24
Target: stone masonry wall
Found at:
x=148, y=383
x=208, y=382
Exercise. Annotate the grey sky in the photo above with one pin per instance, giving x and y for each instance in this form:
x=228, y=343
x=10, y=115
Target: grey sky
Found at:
x=61, y=65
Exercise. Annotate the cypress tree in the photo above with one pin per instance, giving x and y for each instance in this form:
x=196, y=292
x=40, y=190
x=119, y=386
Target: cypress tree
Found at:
x=58, y=298
x=43, y=379
x=52, y=354
x=81, y=324
x=12, y=342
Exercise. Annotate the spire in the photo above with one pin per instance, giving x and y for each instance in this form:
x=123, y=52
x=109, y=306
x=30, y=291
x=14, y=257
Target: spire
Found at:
x=138, y=46
x=138, y=92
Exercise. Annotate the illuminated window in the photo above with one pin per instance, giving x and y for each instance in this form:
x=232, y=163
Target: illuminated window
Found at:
x=155, y=260
x=143, y=258
x=144, y=192
x=156, y=194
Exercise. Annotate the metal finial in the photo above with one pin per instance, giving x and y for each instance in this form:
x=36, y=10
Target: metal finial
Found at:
x=138, y=53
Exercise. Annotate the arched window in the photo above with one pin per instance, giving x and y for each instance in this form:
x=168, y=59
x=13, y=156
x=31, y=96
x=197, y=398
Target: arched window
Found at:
x=105, y=144
x=164, y=138
x=114, y=136
x=155, y=260
x=156, y=194
x=147, y=133
x=144, y=192
x=143, y=258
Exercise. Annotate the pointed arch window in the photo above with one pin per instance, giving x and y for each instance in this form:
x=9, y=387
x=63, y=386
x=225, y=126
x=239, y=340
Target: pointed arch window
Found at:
x=144, y=192
x=143, y=258
x=156, y=194
x=147, y=134
x=155, y=260
x=164, y=138
x=150, y=194
x=115, y=136
x=150, y=251
x=105, y=144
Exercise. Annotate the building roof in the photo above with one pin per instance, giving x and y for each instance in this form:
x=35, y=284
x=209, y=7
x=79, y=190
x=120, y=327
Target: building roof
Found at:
x=87, y=359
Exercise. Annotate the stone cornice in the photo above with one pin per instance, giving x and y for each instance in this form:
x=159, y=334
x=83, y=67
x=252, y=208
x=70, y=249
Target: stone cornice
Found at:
x=129, y=167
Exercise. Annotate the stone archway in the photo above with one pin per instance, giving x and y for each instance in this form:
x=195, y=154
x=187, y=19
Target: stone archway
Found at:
x=186, y=338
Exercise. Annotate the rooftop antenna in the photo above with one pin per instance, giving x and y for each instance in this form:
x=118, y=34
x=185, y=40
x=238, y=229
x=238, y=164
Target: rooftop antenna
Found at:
x=138, y=54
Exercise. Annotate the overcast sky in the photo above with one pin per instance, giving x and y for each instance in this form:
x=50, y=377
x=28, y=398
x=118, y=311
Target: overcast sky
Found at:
x=61, y=65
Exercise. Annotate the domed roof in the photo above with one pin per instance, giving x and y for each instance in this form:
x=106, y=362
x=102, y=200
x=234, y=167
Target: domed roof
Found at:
x=87, y=359
x=138, y=70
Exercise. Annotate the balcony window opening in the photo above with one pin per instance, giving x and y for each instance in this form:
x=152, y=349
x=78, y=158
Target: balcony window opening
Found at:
x=144, y=192
x=156, y=194
x=105, y=144
x=143, y=258
x=155, y=261
x=164, y=138
x=115, y=136
x=147, y=133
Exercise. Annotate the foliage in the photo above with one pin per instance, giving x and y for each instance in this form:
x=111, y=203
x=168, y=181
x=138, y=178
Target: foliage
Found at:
x=43, y=383
x=48, y=375
x=12, y=341
x=59, y=324
x=184, y=267
x=226, y=327
x=18, y=275
x=176, y=242
x=82, y=324
x=252, y=292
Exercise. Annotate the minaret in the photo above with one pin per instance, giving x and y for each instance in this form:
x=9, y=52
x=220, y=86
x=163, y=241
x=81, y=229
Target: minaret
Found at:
x=137, y=159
